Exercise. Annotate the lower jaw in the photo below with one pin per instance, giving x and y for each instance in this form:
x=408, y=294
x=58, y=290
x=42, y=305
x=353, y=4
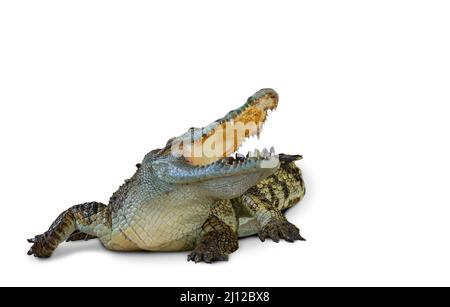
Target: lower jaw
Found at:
x=266, y=158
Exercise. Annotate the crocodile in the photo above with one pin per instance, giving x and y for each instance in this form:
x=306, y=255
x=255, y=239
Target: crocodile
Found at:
x=197, y=193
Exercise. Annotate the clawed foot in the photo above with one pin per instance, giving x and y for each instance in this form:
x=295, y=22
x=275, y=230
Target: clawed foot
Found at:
x=280, y=229
x=207, y=251
x=41, y=247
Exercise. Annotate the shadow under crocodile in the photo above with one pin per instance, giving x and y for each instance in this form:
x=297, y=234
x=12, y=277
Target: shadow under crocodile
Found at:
x=73, y=249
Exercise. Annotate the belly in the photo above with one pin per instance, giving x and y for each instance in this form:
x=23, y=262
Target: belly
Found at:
x=171, y=223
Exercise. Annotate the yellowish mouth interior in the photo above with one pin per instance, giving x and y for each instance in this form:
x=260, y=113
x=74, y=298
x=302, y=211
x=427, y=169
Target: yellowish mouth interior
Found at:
x=228, y=136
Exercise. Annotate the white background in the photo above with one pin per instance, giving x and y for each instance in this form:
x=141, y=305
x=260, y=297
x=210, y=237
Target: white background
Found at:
x=87, y=88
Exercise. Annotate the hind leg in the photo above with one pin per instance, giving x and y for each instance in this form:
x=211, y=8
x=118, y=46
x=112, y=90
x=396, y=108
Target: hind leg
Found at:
x=90, y=219
x=266, y=201
x=271, y=221
x=219, y=237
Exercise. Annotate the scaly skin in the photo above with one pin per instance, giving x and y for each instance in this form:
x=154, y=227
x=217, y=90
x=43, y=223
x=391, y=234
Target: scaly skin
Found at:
x=181, y=200
x=265, y=202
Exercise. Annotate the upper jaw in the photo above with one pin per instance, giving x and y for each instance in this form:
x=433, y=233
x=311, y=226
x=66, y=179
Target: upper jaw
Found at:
x=203, y=146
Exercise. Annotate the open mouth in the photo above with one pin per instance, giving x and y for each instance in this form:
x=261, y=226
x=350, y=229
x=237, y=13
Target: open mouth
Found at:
x=267, y=159
x=220, y=140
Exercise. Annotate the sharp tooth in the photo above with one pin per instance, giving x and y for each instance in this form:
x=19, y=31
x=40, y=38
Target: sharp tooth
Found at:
x=272, y=151
x=258, y=134
x=255, y=154
x=265, y=153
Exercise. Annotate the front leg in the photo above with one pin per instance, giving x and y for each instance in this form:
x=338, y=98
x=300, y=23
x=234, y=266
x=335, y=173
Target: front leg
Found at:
x=219, y=237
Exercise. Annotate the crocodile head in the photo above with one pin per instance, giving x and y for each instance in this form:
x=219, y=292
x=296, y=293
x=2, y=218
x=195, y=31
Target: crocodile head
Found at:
x=208, y=156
